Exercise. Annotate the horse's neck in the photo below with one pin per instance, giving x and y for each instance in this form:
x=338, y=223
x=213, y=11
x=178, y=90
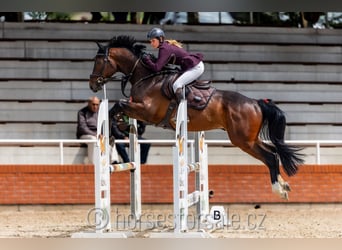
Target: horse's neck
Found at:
x=141, y=77
x=140, y=73
x=148, y=79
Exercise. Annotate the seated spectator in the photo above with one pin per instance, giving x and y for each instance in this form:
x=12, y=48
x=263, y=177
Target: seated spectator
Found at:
x=121, y=17
x=87, y=128
x=11, y=16
x=96, y=16
x=120, y=130
x=153, y=17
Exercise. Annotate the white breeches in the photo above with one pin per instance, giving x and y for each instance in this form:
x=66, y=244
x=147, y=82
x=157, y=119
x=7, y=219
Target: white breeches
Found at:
x=189, y=76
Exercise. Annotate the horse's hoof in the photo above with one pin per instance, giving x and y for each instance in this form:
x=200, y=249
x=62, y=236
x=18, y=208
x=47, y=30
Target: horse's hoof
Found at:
x=286, y=186
x=279, y=190
x=284, y=195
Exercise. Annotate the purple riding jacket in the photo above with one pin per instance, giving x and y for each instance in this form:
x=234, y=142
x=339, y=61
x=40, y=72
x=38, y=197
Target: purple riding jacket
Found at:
x=172, y=54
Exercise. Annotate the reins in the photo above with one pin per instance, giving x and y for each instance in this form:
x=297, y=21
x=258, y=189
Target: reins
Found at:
x=126, y=78
x=163, y=72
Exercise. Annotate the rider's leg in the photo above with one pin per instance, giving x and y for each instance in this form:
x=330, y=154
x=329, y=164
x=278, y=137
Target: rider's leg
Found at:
x=186, y=78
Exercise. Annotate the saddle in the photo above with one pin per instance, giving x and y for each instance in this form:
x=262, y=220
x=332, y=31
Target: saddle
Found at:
x=197, y=93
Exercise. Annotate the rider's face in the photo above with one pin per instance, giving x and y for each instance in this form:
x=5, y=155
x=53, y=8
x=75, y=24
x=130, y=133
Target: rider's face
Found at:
x=154, y=43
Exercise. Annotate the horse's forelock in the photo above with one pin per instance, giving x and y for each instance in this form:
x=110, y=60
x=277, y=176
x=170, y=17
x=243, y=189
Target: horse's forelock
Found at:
x=138, y=49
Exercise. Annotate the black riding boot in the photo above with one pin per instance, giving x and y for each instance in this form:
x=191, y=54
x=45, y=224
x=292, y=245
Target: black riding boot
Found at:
x=179, y=95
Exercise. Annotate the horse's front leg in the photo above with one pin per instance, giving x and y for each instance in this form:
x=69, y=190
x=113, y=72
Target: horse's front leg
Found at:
x=132, y=109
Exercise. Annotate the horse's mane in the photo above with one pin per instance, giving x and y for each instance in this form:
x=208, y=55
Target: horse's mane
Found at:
x=127, y=42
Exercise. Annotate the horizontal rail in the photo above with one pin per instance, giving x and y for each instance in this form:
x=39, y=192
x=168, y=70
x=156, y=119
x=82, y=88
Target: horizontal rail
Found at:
x=61, y=142
x=122, y=167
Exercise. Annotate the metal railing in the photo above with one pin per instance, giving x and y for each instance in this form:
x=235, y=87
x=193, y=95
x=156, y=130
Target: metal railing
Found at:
x=318, y=144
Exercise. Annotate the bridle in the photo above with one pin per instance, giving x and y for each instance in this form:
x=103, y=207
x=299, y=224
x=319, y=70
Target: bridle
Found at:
x=126, y=78
x=101, y=80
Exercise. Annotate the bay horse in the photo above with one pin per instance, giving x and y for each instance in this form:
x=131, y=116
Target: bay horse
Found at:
x=244, y=119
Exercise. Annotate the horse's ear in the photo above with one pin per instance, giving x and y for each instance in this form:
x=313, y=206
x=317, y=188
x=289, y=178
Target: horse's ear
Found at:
x=101, y=47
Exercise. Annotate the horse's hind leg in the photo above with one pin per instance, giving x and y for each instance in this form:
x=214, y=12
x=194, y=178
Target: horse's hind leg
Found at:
x=267, y=155
x=284, y=184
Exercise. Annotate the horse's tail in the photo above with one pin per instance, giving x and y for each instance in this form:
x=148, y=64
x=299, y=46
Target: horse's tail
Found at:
x=274, y=119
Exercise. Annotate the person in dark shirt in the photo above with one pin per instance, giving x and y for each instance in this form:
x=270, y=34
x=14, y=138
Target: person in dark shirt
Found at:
x=153, y=17
x=121, y=17
x=120, y=130
x=191, y=64
x=87, y=127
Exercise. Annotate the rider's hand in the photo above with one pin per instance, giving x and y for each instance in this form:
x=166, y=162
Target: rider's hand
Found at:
x=144, y=56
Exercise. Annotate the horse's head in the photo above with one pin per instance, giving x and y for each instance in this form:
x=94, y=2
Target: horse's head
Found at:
x=104, y=68
x=122, y=54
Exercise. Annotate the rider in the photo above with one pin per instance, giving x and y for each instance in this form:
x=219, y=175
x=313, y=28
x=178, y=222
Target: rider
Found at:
x=191, y=64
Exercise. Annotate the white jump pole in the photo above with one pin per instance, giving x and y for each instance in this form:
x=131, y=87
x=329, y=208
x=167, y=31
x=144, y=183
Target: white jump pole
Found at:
x=103, y=169
x=181, y=168
x=202, y=176
x=135, y=186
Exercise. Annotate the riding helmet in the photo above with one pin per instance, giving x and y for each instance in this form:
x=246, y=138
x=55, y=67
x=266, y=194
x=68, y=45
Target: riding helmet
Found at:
x=155, y=33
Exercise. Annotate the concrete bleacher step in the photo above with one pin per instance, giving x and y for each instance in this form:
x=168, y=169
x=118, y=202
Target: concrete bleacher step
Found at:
x=217, y=52
x=68, y=131
x=186, y=33
x=46, y=70
x=30, y=131
x=250, y=72
x=48, y=50
x=66, y=112
x=315, y=113
x=78, y=91
x=287, y=93
x=313, y=132
x=39, y=112
x=43, y=112
x=268, y=53
x=254, y=72
x=157, y=155
x=64, y=91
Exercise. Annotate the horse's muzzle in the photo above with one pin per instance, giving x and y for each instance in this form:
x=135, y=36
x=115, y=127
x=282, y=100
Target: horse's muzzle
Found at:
x=96, y=84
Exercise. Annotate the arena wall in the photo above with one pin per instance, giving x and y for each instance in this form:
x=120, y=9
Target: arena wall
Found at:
x=74, y=184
